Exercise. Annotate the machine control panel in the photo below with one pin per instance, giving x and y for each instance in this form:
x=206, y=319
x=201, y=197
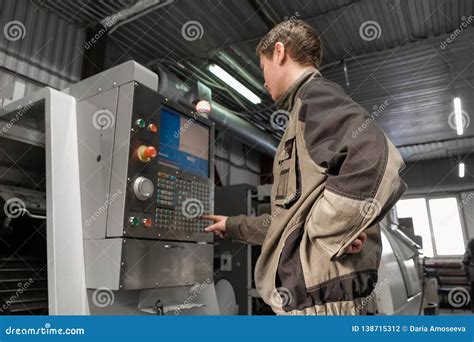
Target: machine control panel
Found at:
x=169, y=171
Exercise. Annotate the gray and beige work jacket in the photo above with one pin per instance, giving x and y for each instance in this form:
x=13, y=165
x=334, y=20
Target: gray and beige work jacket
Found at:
x=336, y=174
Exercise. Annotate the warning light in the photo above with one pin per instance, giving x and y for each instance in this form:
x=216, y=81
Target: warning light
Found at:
x=203, y=106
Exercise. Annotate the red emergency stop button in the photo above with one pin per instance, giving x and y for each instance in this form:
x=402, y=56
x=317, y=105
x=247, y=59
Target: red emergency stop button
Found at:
x=147, y=222
x=146, y=153
x=152, y=128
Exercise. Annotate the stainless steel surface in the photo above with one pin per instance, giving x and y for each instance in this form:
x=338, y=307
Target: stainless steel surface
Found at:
x=129, y=264
x=201, y=297
x=150, y=264
x=119, y=189
x=398, y=290
x=143, y=188
x=95, y=154
x=112, y=78
x=53, y=113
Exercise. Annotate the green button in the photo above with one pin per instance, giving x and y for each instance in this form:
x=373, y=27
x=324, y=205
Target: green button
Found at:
x=140, y=123
x=134, y=221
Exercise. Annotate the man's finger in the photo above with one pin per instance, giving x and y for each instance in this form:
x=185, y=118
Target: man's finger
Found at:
x=214, y=218
x=212, y=228
x=362, y=237
x=356, y=246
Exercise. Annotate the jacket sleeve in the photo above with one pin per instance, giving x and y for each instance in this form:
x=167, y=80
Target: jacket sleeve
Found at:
x=248, y=229
x=362, y=167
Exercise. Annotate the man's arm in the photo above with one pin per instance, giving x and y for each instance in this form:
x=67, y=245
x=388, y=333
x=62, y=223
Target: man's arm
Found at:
x=248, y=229
x=362, y=167
x=251, y=230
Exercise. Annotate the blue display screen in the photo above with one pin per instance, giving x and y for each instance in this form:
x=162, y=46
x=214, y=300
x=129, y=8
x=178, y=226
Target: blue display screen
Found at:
x=184, y=142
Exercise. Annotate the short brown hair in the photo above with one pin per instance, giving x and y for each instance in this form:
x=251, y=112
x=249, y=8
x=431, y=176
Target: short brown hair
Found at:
x=300, y=40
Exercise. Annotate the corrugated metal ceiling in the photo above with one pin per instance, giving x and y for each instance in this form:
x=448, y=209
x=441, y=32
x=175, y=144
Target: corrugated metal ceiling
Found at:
x=83, y=13
x=36, y=55
x=404, y=65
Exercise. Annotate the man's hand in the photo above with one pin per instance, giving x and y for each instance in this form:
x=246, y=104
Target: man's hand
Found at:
x=219, y=224
x=218, y=228
x=358, y=243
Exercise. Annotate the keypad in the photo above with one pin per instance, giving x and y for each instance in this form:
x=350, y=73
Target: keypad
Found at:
x=180, y=202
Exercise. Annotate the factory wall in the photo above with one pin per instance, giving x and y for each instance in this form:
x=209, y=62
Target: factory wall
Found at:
x=236, y=163
x=37, y=47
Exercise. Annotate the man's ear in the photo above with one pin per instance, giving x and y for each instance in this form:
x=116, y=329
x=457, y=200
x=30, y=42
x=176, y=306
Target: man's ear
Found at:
x=279, y=53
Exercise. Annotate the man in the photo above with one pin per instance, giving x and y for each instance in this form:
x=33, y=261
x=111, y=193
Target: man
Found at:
x=336, y=175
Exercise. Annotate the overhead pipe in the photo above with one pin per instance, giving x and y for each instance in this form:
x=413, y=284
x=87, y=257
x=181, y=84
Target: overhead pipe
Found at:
x=243, y=130
x=170, y=86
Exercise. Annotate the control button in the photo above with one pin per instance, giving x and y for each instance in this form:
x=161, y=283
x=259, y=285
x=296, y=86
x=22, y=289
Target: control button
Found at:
x=146, y=153
x=140, y=123
x=143, y=188
x=133, y=221
x=147, y=222
x=152, y=128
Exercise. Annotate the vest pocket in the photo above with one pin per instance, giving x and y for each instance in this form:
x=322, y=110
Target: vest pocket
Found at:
x=287, y=187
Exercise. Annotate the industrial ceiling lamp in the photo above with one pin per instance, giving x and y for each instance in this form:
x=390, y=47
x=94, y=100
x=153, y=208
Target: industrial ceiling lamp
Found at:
x=232, y=82
x=458, y=116
x=462, y=169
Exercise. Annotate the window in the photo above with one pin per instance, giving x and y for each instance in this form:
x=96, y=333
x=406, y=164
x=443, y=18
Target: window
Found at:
x=437, y=221
x=446, y=226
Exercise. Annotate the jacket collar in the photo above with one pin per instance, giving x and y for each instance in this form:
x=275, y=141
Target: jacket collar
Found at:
x=287, y=99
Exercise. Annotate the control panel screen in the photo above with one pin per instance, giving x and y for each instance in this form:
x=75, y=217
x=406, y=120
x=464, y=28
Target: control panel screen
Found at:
x=184, y=143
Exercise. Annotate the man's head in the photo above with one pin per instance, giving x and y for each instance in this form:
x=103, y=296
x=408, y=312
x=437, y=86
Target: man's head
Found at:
x=285, y=52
